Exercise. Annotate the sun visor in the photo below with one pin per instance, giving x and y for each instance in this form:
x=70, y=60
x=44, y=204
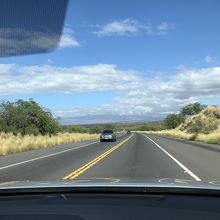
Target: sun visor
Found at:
x=30, y=26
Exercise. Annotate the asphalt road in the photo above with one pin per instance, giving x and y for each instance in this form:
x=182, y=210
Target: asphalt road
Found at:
x=131, y=156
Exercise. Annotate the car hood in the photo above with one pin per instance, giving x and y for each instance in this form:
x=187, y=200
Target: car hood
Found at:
x=114, y=183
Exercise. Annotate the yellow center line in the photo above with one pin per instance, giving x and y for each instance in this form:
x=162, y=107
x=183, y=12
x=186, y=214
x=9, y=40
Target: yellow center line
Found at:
x=82, y=169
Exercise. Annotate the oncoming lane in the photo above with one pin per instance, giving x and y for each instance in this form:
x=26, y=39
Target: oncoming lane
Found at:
x=53, y=165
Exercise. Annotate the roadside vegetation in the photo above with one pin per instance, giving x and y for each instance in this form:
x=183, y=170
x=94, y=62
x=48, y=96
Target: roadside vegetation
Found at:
x=24, y=125
x=11, y=143
x=27, y=117
x=198, y=122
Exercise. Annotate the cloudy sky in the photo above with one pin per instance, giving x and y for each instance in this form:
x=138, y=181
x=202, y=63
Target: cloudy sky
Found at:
x=123, y=61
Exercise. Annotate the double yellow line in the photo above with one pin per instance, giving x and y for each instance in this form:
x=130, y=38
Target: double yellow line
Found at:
x=82, y=169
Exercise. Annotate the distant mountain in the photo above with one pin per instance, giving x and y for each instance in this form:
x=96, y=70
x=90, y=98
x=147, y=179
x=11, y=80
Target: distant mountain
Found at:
x=99, y=119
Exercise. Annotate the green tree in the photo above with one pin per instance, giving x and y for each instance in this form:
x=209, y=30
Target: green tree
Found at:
x=26, y=117
x=192, y=109
x=173, y=120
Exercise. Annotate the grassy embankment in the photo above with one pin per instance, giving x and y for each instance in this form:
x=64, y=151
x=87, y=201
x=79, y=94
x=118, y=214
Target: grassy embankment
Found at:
x=204, y=127
x=10, y=143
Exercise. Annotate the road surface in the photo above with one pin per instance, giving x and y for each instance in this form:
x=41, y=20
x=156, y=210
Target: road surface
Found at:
x=133, y=156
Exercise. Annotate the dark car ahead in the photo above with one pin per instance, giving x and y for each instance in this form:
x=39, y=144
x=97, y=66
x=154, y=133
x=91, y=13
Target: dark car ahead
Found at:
x=108, y=135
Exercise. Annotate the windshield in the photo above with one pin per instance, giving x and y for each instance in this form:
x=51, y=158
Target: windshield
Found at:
x=130, y=92
x=107, y=132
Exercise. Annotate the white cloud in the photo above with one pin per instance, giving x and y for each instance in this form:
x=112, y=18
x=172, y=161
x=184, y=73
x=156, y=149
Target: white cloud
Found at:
x=164, y=27
x=68, y=39
x=124, y=27
x=130, y=27
x=6, y=68
x=141, y=97
x=34, y=79
x=210, y=59
x=154, y=98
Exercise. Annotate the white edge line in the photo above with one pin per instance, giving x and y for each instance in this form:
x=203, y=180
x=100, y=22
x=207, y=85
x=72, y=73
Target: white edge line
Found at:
x=174, y=159
x=49, y=155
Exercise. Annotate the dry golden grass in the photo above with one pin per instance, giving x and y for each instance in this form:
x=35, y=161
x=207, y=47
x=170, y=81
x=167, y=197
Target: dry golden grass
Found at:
x=10, y=143
x=207, y=121
x=172, y=133
x=209, y=118
x=212, y=138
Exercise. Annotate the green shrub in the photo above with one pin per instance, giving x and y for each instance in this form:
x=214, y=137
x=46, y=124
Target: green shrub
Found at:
x=192, y=109
x=202, y=125
x=26, y=117
x=173, y=120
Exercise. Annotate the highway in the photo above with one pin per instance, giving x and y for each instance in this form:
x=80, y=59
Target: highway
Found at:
x=134, y=156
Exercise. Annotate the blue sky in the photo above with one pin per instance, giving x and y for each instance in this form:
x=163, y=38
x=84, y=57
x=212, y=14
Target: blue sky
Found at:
x=123, y=60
